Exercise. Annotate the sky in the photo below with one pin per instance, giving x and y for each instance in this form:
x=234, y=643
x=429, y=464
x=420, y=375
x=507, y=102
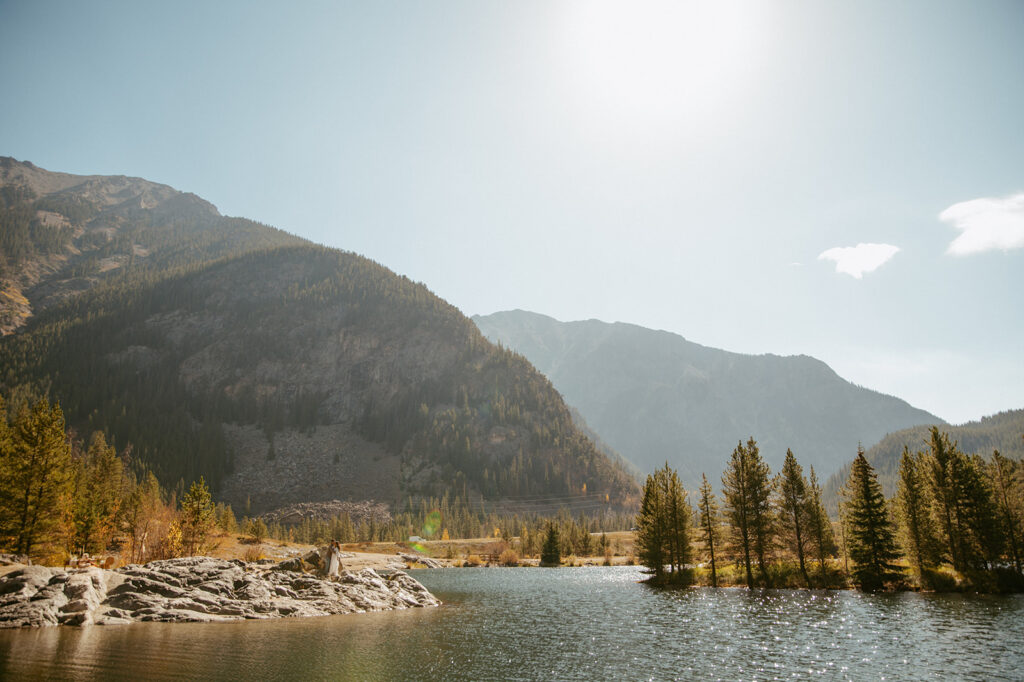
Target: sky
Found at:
x=838, y=179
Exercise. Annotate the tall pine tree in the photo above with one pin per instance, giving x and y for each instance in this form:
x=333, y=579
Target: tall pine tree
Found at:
x=913, y=502
x=793, y=509
x=747, y=489
x=1008, y=486
x=869, y=532
x=819, y=525
x=709, y=524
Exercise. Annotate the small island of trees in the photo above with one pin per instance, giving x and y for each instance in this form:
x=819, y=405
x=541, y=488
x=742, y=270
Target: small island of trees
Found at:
x=954, y=524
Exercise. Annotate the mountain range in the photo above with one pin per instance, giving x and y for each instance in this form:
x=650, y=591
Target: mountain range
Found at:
x=279, y=370
x=656, y=397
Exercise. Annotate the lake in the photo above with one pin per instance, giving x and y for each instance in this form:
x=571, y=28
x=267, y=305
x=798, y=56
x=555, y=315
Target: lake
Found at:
x=557, y=624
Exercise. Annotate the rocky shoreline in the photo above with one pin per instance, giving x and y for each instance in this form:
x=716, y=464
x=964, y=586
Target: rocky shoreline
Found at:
x=197, y=589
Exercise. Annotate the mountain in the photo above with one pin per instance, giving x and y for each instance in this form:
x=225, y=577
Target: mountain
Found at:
x=656, y=397
x=1003, y=432
x=281, y=371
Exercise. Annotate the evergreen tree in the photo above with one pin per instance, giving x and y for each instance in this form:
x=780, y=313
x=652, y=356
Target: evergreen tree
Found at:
x=945, y=465
x=96, y=502
x=37, y=476
x=870, y=536
x=819, y=525
x=1008, y=486
x=256, y=529
x=651, y=533
x=550, y=554
x=747, y=489
x=663, y=524
x=709, y=524
x=197, y=519
x=917, y=532
x=226, y=518
x=963, y=505
x=985, y=536
x=793, y=508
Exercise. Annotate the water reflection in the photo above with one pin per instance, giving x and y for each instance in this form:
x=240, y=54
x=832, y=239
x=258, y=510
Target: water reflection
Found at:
x=583, y=623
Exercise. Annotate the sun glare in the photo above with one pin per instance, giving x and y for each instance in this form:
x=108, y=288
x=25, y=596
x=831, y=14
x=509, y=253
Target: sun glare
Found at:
x=657, y=62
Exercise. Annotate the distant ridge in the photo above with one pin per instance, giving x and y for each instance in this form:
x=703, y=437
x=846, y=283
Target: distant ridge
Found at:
x=656, y=397
x=1003, y=432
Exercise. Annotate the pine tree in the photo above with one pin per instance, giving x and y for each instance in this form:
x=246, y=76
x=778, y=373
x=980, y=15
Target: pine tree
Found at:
x=1008, y=486
x=709, y=524
x=197, y=519
x=819, y=525
x=257, y=529
x=96, y=502
x=37, y=477
x=963, y=505
x=944, y=467
x=985, y=534
x=550, y=554
x=793, y=508
x=678, y=520
x=651, y=534
x=870, y=536
x=747, y=490
x=663, y=525
x=917, y=532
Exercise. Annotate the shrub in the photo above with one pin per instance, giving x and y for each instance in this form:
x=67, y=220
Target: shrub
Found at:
x=509, y=558
x=473, y=560
x=253, y=553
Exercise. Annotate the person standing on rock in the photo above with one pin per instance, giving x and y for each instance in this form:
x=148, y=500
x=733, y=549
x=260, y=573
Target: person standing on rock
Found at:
x=334, y=565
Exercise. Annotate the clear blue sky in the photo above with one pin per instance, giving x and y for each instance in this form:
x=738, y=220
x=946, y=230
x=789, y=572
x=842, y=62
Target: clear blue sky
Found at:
x=691, y=167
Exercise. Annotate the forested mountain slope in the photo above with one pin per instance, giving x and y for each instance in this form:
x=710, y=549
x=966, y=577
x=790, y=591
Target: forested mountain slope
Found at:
x=656, y=397
x=280, y=371
x=1003, y=432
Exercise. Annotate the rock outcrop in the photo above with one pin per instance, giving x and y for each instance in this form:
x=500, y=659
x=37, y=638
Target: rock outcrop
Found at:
x=195, y=589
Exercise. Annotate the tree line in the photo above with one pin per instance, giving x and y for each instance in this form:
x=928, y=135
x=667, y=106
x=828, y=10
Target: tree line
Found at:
x=954, y=523
x=61, y=497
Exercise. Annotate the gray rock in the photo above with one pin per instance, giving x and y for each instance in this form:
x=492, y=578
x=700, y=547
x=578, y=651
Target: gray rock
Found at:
x=198, y=589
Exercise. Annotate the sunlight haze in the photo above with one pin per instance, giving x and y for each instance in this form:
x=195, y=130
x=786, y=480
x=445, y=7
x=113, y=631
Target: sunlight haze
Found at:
x=842, y=180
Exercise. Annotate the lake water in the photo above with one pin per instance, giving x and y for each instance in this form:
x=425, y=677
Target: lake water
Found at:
x=559, y=624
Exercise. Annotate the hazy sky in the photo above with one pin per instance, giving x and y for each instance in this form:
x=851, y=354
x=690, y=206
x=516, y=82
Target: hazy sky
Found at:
x=841, y=179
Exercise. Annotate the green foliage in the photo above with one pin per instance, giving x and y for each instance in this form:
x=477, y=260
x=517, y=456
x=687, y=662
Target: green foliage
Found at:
x=663, y=526
x=819, y=527
x=709, y=522
x=256, y=529
x=96, y=501
x=998, y=432
x=870, y=535
x=551, y=554
x=1007, y=479
x=36, y=477
x=197, y=519
x=794, y=510
x=963, y=507
x=747, y=489
x=913, y=513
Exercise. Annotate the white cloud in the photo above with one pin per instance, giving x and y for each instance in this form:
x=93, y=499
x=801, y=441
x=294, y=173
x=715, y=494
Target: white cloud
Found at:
x=856, y=260
x=987, y=224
